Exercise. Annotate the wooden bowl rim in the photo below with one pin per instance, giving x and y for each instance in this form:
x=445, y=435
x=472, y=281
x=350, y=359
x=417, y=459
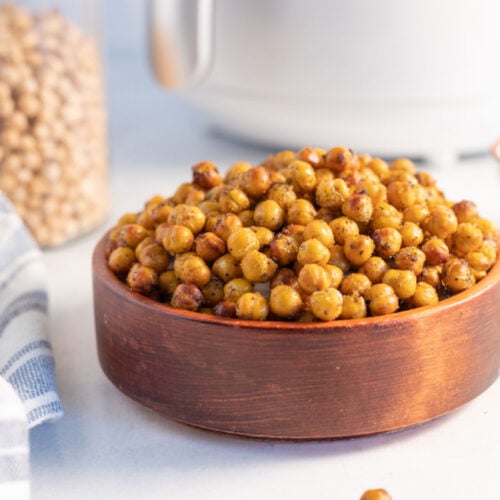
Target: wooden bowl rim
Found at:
x=100, y=268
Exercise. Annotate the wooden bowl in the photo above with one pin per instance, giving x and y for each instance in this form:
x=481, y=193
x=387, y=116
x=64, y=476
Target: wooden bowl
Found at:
x=298, y=381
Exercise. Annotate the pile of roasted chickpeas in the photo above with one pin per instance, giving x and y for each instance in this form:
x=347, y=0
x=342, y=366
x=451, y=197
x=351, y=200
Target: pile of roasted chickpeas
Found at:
x=305, y=236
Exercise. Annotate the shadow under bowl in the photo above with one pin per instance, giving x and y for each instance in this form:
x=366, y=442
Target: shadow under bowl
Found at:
x=298, y=381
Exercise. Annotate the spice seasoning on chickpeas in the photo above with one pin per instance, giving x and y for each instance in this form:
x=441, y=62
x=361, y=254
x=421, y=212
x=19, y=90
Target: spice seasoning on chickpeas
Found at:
x=308, y=236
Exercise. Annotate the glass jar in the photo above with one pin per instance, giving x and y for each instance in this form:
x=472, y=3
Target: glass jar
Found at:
x=53, y=144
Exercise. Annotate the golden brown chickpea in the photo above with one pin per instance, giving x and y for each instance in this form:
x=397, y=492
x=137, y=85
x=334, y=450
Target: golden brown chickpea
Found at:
x=154, y=256
x=168, y=282
x=325, y=215
x=213, y=291
x=246, y=218
x=466, y=211
x=255, y=182
x=160, y=212
x=187, y=296
x=374, y=268
x=268, y=213
x=490, y=250
x=416, y=213
x=132, y=234
x=382, y=300
x=284, y=276
x=233, y=200
x=327, y=195
x=319, y=230
x=401, y=281
x=313, y=156
x=177, y=239
x=121, y=260
x=206, y=175
x=302, y=175
x=313, y=277
x=191, y=217
x=355, y=283
x=387, y=241
x=190, y=268
x=283, y=194
x=342, y=227
x=436, y=251
x=226, y=224
x=400, y=194
x=385, y=215
x=144, y=219
x=258, y=267
x=146, y=241
x=264, y=235
x=283, y=249
x=431, y=275
x=301, y=212
x=214, y=194
x=285, y=301
x=280, y=160
x=339, y=158
x=425, y=295
x=252, y=306
x=234, y=289
x=181, y=193
x=358, y=249
x=411, y=259
x=404, y=164
x=478, y=261
x=313, y=251
x=358, y=207
x=209, y=246
x=411, y=234
x=374, y=189
x=336, y=275
x=338, y=258
x=142, y=279
x=326, y=305
x=442, y=222
x=241, y=242
x=225, y=309
x=457, y=275
x=195, y=197
x=353, y=307
x=376, y=494
x=227, y=268
x=129, y=218
x=467, y=238
x=379, y=167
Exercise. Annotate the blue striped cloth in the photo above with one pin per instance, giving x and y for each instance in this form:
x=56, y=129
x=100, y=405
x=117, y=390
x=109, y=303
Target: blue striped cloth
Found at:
x=26, y=360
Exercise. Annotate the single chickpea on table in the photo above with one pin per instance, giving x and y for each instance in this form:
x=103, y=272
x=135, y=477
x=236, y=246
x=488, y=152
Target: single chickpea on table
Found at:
x=312, y=235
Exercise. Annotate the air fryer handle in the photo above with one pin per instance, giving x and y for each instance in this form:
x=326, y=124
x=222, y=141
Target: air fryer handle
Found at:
x=181, y=41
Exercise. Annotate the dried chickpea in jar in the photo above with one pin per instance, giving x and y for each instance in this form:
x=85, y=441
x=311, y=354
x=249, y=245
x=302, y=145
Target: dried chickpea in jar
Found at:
x=308, y=236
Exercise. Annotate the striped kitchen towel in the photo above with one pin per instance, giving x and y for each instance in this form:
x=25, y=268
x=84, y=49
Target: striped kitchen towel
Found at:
x=26, y=360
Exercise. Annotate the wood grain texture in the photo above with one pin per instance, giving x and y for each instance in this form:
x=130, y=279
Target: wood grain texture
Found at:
x=298, y=381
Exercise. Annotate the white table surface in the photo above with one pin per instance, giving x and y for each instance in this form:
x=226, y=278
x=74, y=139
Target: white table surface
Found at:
x=109, y=447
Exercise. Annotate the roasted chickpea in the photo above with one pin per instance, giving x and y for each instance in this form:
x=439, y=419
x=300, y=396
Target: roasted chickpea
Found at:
x=257, y=267
x=283, y=194
x=225, y=309
x=436, y=251
x=191, y=217
x=234, y=174
x=353, y=307
x=192, y=269
x=301, y=212
x=401, y=281
x=313, y=251
x=234, y=289
x=466, y=211
x=339, y=158
x=327, y=195
x=358, y=207
x=247, y=218
x=255, y=182
x=302, y=175
x=284, y=276
x=338, y=258
x=241, y=242
x=342, y=227
x=385, y=215
x=467, y=238
x=358, y=249
x=252, y=306
x=177, y=239
x=376, y=494
x=425, y=295
x=336, y=275
x=154, y=256
x=382, y=299
x=187, y=296
x=121, y=260
x=209, y=246
x=206, y=175
x=442, y=222
x=296, y=231
x=379, y=167
x=355, y=283
x=142, y=279
x=313, y=156
x=226, y=267
x=411, y=259
x=411, y=234
x=213, y=291
x=374, y=189
x=168, y=282
x=326, y=305
x=313, y=277
x=387, y=241
x=226, y=224
x=431, y=275
x=284, y=249
x=160, y=212
x=416, y=213
x=374, y=268
x=232, y=199
x=401, y=194
x=457, y=275
x=268, y=213
x=285, y=301
x=319, y=230
x=478, y=261
x=132, y=234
